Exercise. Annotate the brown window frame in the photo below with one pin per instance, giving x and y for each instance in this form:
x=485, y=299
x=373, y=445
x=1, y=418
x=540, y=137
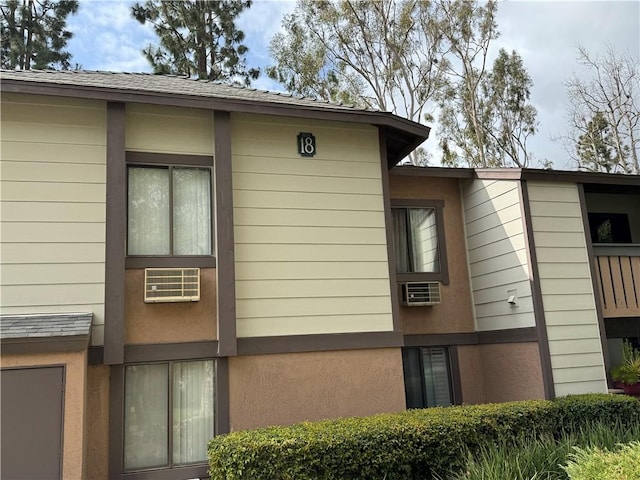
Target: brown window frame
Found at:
x=443, y=275
x=170, y=161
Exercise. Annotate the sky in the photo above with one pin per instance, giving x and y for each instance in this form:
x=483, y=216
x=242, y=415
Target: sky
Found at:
x=545, y=34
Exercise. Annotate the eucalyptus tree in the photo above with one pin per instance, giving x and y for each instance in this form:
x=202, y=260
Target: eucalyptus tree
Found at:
x=371, y=53
x=414, y=58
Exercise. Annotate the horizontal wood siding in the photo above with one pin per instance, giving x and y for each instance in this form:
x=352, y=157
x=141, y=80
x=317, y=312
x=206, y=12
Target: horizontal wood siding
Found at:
x=53, y=206
x=497, y=254
x=567, y=290
x=162, y=129
x=310, y=242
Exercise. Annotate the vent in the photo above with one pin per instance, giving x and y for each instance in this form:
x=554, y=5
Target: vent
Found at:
x=420, y=293
x=171, y=285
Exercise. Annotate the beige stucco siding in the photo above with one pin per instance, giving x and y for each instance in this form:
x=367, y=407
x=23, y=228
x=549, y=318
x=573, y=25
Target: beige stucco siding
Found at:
x=310, y=241
x=162, y=129
x=497, y=254
x=53, y=206
x=567, y=290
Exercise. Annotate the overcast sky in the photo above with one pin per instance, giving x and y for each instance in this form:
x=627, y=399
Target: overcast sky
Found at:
x=545, y=34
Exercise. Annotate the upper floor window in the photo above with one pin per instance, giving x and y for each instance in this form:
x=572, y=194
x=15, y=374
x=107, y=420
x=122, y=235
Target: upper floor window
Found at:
x=418, y=239
x=169, y=210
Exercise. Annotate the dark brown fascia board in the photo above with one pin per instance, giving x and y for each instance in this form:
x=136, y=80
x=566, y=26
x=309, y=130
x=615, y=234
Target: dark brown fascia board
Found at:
x=556, y=176
x=485, y=337
x=413, y=171
x=26, y=345
x=383, y=119
x=318, y=342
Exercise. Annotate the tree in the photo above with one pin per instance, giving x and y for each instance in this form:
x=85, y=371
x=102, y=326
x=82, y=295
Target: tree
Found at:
x=407, y=57
x=34, y=33
x=371, y=53
x=604, y=113
x=486, y=118
x=595, y=147
x=197, y=38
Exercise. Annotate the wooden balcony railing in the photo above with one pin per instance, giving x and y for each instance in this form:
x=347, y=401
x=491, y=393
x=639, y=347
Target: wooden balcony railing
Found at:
x=618, y=274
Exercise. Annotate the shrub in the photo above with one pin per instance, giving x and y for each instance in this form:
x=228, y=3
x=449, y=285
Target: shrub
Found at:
x=543, y=457
x=599, y=464
x=408, y=445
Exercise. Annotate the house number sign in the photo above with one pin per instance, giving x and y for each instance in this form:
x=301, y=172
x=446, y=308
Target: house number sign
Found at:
x=306, y=144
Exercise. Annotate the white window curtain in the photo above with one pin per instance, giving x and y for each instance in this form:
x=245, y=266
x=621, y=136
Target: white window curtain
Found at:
x=193, y=410
x=148, y=228
x=416, y=240
x=436, y=377
x=191, y=211
x=146, y=405
x=424, y=237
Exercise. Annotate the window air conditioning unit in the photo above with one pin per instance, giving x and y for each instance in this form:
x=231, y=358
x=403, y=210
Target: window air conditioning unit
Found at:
x=171, y=285
x=420, y=293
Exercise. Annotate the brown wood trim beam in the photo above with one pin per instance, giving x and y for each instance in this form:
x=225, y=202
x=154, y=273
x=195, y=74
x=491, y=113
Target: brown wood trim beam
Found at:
x=487, y=337
x=222, y=418
x=225, y=249
x=161, y=352
x=388, y=221
x=416, y=203
x=440, y=339
x=413, y=171
x=536, y=291
x=29, y=345
x=148, y=158
x=116, y=420
x=170, y=262
x=594, y=282
x=116, y=232
x=318, y=342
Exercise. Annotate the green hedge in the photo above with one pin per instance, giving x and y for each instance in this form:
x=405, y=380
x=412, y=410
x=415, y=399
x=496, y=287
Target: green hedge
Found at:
x=408, y=445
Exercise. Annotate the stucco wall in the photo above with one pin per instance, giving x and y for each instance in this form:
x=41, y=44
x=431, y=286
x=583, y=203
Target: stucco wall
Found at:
x=511, y=371
x=169, y=322
x=310, y=238
x=97, y=449
x=288, y=388
x=471, y=374
x=74, y=435
x=455, y=313
x=53, y=206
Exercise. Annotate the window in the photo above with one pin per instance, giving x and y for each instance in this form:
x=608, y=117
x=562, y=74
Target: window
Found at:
x=609, y=228
x=419, y=241
x=427, y=377
x=169, y=211
x=168, y=414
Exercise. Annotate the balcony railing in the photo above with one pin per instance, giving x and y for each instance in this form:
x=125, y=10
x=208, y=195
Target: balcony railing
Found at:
x=618, y=274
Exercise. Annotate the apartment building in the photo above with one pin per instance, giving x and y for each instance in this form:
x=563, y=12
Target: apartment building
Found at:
x=182, y=258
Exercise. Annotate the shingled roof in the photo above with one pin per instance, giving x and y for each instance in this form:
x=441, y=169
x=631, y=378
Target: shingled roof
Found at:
x=54, y=332
x=401, y=135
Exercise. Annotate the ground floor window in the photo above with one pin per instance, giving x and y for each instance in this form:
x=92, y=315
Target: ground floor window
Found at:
x=427, y=377
x=168, y=413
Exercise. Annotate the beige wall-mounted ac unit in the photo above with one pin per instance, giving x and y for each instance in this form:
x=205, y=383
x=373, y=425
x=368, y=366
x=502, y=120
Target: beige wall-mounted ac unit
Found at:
x=171, y=285
x=420, y=293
